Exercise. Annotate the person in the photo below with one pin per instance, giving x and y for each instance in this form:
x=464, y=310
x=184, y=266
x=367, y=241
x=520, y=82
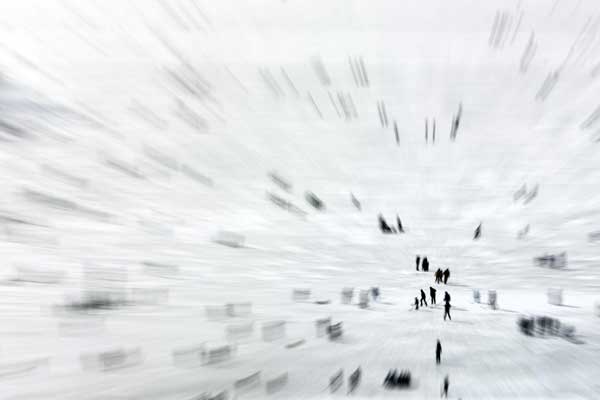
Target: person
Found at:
x=416, y=303
x=438, y=352
x=375, y=293
x=446, y=297
x=418, y=261
x=425, y=264
x=445, y=387
x=423, y=298
x=477, y=234
x=446, y=275
x=447, y=310
x=432, y=294
x=438, y=276
x=400, y=228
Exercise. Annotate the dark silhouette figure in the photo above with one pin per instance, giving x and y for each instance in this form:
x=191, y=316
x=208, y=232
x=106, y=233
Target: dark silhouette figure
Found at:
x=418, y=262
x=438, y=352
x=375, y=293
x=445, y=387
x=426, y=131
x=400, y=228
x=416, y=303
x=396, y=133
x=438, y=276
x=477, y=233
x=385, y=228
x=425, y=264
x=446, y=275
x=423, y=298
x=447, y=311
x=434, y=130
x=432, y=295
x=446, y=297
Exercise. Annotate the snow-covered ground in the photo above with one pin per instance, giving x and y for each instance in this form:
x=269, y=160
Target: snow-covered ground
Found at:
x=131, y=133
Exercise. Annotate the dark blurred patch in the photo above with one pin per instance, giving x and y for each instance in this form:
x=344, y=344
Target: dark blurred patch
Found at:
x=276, y=384
x=247, y=383
x=63, y=204
x=279, y=181
x=556, y=261
x=190, y=117
x=272, y=331
x=229, y=239
x=286, y=205
x=320, y=70
x=111, y=360
x=314, y=201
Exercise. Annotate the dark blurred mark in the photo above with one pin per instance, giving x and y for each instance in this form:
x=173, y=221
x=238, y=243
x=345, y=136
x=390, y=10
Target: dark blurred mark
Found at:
x=353, y=68
x=13, y=130
x=523, y=232
x=589, y=121
x=456, y=123
x=147, y=115
x=594, y=236
x=229, y=239
x=301, y=295
x=433, y=132
x=271, y=82
x=531, y=195
x=281, y=182
x=352, y=107
x=336, y=381
x=517, y=26
x=59, y=203
x=335, y=331
x=239, y=309
x=6, y=219
x=314, y=201
x=237, y=80
x=289, y=81
x=320, y=70
x=197, y=176
x=528, y=54
x=286, y=205
x=547, y=86
x=344, y=105
x=272, y=331
x=112, y=360
x=295, y=344
x=177, y=19
x=190, y=356
x=396, y=133
x=354, y=380
x=218, y=354
x=555, y=261
x=124, y=168
x=382, y=114
x=364, y=72
x=520, y=193
x=322, y=326
x=161, y=158
x=335, y=107
x=355, y=202
x=96, y=300
x=426, y=130
x=23, y=367
x=247, y=383
x=312, y=100
x=66, y=177
x=189, y=116
x=277, y=383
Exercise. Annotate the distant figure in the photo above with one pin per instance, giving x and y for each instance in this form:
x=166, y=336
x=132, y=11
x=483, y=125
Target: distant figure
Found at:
x=400, y=228
x=432, y=295
x=445, y=387
x=355, y=202
x=447, y=310
x=438, y=275
x=423, y=298
x=416, y=303
x=446, y=297
x=385, y=228
x=426, y=131
x=396, y=133
x=375, y=293
x=446, y=275
x=418, y=261
x=433, y=141
x=425, y=264
x=477, y=234
x=438, y=352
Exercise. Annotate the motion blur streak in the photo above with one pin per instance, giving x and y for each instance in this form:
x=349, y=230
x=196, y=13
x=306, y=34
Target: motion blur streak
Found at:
x=299, y=199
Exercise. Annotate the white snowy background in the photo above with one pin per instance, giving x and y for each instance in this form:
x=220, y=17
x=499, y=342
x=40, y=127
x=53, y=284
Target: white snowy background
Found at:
x=132, y=132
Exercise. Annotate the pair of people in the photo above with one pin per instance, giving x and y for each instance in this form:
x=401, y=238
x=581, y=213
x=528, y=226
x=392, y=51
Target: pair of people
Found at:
x=385, y=228
x=442, y=276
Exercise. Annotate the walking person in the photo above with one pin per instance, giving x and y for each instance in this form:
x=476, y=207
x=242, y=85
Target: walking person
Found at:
x=423, y=298
x=445, y=387
x=447, y=311
x=446, y=276
x=416, y=303
x=438, y=276
x=400, y=228
x=425, y=264
x=432, y=295
x=438, y=352
x=418, y=261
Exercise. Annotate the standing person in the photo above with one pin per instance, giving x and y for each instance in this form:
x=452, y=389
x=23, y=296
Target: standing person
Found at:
x=438, y=352
x=425, y=265
x=446, y=276
x=447, y=310
x=432, y=295
x=445, y=387
x=477, y=233
x=416, y=303
x=423, y=298
x=446, y=297
x=438, y=275
x=385, y=228
x=418, y=261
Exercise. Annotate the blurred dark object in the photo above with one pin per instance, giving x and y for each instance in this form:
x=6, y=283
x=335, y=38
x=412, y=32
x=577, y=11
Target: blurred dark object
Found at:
x=314, y=201
x=556, y=261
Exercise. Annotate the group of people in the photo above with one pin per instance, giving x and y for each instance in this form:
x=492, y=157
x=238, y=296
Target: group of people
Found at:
x=385, y=228
x=438, y=360
x=395, y=379
x=432, y=292
x=424, y=264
